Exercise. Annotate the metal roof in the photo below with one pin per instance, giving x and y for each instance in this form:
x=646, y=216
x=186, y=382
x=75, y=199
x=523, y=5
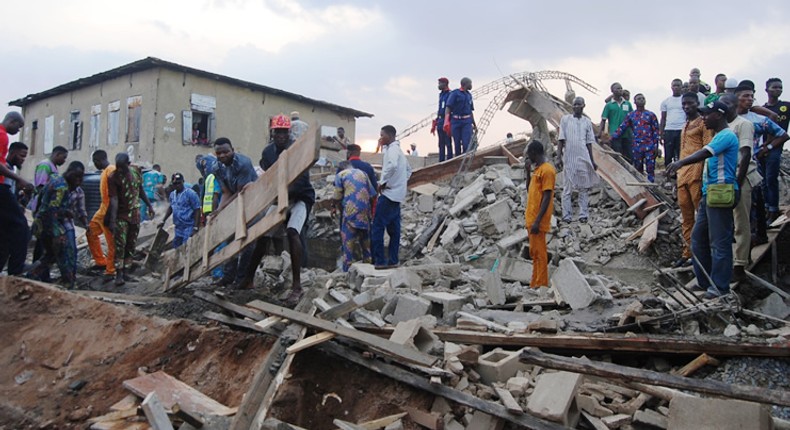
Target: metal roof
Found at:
x=152, y=62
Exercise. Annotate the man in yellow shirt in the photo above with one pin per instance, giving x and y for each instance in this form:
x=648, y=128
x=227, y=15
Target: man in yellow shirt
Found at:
x=540, y=206
x=96, y=226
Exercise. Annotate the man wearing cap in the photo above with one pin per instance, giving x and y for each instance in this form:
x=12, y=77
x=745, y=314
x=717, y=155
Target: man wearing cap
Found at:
x=711, y=239
x=721, y=85
x=445, y=141
x=185, y=208
x=298, y=127
x=413, y=151
x=459, y=117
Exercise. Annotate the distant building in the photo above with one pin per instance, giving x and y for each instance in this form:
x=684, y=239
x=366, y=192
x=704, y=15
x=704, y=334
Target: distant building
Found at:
x=165, y=113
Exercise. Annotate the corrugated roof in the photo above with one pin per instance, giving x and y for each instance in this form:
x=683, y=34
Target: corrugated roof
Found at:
x=151, y=62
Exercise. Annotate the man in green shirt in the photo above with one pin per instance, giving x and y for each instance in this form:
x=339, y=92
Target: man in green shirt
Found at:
x=615, y=112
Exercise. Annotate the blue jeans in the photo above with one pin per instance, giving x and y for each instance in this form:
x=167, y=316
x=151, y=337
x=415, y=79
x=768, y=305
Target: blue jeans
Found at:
x=445, y=143
x=711, y=243
x=769, y=168
x=387, y=217
x=462, y=134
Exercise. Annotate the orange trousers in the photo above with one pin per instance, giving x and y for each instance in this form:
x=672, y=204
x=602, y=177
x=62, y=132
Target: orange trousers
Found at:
x=689, y=196
x=538, y=252
x=95, y=229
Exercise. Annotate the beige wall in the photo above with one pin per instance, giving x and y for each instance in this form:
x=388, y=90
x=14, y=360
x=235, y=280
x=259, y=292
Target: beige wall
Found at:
x=241, y=115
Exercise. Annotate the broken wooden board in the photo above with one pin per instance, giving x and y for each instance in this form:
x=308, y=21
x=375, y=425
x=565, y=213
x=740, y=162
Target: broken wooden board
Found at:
x=155, y=413
x=647, y=223
x=171, y=391
x=308, y=342
x=651, y=231
x=348, y=306
x=618, y=177
x=382, y=345
x=126, y=299
x=238, y=218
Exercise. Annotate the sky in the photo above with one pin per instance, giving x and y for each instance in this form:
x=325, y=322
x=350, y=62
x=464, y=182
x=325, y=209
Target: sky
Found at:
x=384, y=57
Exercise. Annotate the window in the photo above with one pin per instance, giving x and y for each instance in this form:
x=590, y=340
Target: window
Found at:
x=76, y=131
x=134, y=109
x=94, y=124
x=32, y=147
x=49, y=134
x=199, y=123
x=113, y=122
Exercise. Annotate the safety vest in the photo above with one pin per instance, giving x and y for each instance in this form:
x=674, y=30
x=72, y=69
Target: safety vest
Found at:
x=208, y=195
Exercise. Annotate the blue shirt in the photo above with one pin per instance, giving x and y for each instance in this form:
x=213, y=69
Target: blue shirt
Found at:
x=238, y=174
x=184, y=205
x=443, y=96
x=720, y=168
x=151, y=179
x=762, y=126
x=460, y=103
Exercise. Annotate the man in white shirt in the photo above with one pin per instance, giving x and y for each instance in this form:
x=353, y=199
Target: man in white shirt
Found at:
x=673, y=119
x=395, y=174
x=413, y=151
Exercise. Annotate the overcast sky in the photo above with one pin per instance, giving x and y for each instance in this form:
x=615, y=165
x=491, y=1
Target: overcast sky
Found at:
x=384, y=57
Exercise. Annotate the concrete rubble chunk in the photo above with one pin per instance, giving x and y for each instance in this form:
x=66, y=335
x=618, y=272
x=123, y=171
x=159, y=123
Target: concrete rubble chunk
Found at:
x=571, y=287
x=465, y=204
x=410, y=307
x=403, y=277
x=591, y=405
x=517, y=385
x=397, y=425
x=544, y=326
x=774, y=306
x=515, y=269
x=501, y=183
x=414, y=334
x=451, y=232
x=444, y=305
x=554, y=398
x=616, y=421
x=696, y=413
x=494, y=288
x=499, y=365
x=425, y=203
x=483, y=421
x=476, y=187
x=650, y=419
x=514, y=239
x=494, y=218
x=358, y=272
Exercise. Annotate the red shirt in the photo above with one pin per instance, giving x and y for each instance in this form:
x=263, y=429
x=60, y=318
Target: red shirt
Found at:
x=3, y=148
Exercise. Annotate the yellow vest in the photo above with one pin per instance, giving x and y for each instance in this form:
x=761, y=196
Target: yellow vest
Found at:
x=208, y=195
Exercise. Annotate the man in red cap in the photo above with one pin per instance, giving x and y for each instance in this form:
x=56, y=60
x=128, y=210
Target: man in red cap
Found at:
x=445, y=142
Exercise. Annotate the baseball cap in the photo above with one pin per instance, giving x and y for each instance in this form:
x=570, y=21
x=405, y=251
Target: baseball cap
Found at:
x=177, y=177
x=716, y=106
x=731, y=83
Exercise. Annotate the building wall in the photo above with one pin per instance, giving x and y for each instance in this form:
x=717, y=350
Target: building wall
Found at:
x=240, y=114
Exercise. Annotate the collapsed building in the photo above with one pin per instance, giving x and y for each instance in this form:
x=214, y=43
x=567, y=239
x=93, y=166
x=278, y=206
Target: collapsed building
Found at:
x=453, y=338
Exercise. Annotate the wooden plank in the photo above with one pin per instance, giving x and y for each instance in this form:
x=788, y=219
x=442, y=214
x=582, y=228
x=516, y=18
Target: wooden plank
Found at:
x=126, y=299
x=115, y=415
x=420, y=382
x=322, y=305
x=246, y=205
x=186, y=417
x=171, y=391
x=381, y=422
x=507, y=399
x=130, y=401
x=435, y=237
x=383, y=345
x=241, y=220
x=241, y=310
x=644, y=227
x=492, y=325
x=511, y=159
x=310, y=341
x=701, y=361
x=237, y=322
x=268, y=322
x=628, y=374
x=650, y=233
x=642, y=184
x=155, y=413
x=346, y=307
x=616, y=175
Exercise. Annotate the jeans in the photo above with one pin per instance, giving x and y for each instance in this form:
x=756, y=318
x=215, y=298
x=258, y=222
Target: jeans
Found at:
x=671, y=146
x=445, y=143
x=14, y=234
x=462, y=135
x=387, y=217
x=711, y=243
x=769, y=168
x=623, y=146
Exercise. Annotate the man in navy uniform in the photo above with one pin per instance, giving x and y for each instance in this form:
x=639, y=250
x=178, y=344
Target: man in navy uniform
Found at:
x=459, y=116
x=445, y=141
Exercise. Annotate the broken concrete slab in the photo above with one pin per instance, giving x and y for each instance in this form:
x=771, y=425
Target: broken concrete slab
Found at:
x=494, y=218
x=554, y=398
x=450, y=233
x=774, y=306
x=571, y=287
x=694, y=413
x=358, y=272
x=650, y=419
x=501, y=183
x=465, y=204
x=445, y=305
x=494, y=288
x=517, y=385
x=515, y=269
x=403, y=277
x=409, y=307
x=507, y=242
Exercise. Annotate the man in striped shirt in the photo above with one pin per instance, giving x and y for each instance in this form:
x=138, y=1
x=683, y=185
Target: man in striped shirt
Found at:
x=575, y=153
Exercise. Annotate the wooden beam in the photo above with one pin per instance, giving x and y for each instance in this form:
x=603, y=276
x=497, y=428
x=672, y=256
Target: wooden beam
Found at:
x=310, y=341
x=171, y=391
x=345, y=425
x=237, y=322
x=696, y=364
x=507, y=399
x=155, y=413
x=381, y=422
x=275, y=424
x=383, y=345
x=420, y=382
x=624, y=373
x=650, y=233
x=348, y=306
x=617, y=176
x=646, y=225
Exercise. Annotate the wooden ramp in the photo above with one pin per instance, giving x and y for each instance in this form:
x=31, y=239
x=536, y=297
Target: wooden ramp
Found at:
x=242, y=221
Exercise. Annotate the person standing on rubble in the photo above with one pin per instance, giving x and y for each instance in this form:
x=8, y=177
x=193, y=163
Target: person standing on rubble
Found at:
x=185, y=207
x=298, y=127
x=125, y=189
x=353, y=197
x=771, y=158
x=711, y=239
x=540, y=206
x=673, y=119
x=693, y=137
x=576, y=159
x=96, y=226
x=615, y=112
x=15, y=233
x=646, y=137
x=395, y=175
x=234, y=172
x=445, y=141
x=354, y=153
x=459, y=117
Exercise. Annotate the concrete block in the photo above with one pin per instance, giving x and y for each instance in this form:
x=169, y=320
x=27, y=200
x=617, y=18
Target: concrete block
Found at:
x=474, y=189
x=451, y=424
x=410, y=307
x=403, y=277
x=483, y=421
x=358, y=272
x=544, y=326
x=774, y=306
x=515, y=269
x=501, y=183
x=465, y=204
x=696, y=413
x=514, y=239
x=499, y=365
x=413, y=334
x=554, y=398
x=371, y=283
x=494, y=218
x=441, y=406
x=650, y=419
x=450, y=233
x=571, y=286
x=517, y=385
x=494, y=288
x=445, y=305
x=425, y=203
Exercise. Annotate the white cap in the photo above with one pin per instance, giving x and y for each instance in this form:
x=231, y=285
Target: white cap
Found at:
x=731, y=83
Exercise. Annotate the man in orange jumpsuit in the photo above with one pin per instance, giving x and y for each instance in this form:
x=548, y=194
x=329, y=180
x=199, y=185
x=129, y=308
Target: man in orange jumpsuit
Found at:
x=540, y=206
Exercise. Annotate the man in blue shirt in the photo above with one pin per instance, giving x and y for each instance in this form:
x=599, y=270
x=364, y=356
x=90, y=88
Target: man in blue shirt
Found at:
x=445, y=141
x=153, y=183
x=185, y=208
x=459, y=118
x=711, y=239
